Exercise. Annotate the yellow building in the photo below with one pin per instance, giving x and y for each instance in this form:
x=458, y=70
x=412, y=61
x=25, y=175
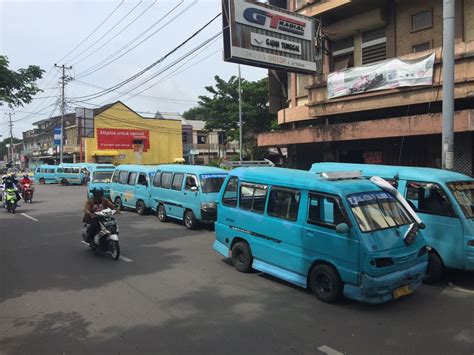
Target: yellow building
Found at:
x=122, y=136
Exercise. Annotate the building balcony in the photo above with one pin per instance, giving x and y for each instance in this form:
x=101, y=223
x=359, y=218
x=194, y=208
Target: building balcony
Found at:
x=319, y=106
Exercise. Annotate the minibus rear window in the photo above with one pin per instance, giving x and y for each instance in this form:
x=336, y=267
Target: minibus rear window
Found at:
x=463, y=192
x=211, y=183
x=376, y=210
x=102, y=176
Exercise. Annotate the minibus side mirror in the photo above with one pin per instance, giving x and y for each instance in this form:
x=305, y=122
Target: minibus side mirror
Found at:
x=194, y=188
x=342, y=228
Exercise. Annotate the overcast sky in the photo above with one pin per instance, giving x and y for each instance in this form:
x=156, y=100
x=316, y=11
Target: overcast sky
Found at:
x=43, y=32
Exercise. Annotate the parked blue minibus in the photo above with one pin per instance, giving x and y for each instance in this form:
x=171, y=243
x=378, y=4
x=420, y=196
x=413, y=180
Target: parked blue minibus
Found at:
x=338, y=237
x=71, y=174
x=100, y=178
x=187, y=193
x=130, y=187
x=46, y=174
x=443, y=199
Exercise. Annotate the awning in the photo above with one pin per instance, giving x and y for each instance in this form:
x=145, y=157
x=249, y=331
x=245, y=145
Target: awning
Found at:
x=179, y=160
x=105, y=153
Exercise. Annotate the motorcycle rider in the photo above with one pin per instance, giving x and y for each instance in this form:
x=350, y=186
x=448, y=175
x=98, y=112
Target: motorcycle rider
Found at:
x=10, y=182
x=95, y=204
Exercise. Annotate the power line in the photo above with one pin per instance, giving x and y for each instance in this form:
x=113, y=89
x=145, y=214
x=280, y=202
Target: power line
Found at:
x=133, y=77
x=105, y=62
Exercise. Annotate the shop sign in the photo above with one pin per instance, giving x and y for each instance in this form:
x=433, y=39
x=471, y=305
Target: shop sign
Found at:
x=387, y=74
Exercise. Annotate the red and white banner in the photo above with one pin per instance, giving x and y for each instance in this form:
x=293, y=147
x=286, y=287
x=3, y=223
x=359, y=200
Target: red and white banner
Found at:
x=122, y=139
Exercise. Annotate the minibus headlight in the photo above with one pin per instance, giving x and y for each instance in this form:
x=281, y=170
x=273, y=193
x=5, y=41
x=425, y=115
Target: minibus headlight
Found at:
x=383, y=262
x=423, y=251
x=208, y=206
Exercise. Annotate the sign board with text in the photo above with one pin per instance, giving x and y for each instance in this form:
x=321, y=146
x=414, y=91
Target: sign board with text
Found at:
x=123, y=139
x=269, y=37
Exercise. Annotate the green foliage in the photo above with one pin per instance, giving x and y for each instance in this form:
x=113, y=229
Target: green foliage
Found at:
x=220, y=109
x=3, y=146
x=18, y=87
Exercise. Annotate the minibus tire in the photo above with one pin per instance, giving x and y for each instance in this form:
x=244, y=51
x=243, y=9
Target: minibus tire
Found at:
x=118, y=201
x=161, y=213
x=242, y=257
x=141, y=208
x=42, y=181
x=326, y=283
x=435, y=271
x=64, y=182
x=190, y=220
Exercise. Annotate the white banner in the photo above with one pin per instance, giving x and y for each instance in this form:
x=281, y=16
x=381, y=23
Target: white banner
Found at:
x=387, y=74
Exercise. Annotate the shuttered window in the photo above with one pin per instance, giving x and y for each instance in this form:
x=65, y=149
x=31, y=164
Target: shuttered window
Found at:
x=343, y=54
x=374, y=46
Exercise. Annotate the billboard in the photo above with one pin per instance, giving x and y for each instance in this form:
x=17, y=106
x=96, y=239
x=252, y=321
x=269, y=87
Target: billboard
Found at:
x=269, y=37
x=123, y=139
x=387, y=74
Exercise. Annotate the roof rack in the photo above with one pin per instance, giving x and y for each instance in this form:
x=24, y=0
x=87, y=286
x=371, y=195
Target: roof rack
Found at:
x=342, y=175
x=227, y=164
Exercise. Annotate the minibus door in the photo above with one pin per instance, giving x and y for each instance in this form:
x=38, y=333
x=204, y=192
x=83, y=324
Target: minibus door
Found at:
x=322, y=241
x=141, y=189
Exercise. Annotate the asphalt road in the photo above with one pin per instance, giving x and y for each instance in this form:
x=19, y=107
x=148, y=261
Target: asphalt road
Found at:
x=172, y=294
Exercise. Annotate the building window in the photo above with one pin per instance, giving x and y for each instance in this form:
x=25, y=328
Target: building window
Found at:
x=374, y=46
x=202, y=138
x=302, y=82
x=422, y=20
x=343, y=54
x=421, y=47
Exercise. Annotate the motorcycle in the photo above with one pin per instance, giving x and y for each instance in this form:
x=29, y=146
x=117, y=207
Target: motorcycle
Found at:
x=27, y=192
x=10, y=200
x=106, y=239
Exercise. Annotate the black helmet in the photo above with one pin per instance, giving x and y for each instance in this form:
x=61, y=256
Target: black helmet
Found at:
x=97, y=192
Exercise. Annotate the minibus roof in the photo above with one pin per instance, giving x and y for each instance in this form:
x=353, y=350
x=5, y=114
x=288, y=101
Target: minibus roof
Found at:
x=304, y=180
x=191, y=169
x=388, y=171
x=139, y=168
x=46, y=166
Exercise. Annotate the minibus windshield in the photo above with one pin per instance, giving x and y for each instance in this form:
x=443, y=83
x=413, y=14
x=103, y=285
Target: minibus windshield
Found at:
x=102, y=176
x=463, y=192
x=377, y=210
x=212, y=182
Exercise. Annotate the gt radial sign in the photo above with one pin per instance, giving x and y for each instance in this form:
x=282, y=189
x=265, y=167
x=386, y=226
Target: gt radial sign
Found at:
x=122, y=139
x=269, y=37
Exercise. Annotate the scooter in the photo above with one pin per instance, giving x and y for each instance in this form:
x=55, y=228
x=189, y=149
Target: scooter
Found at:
x=27, y=192
x=106, y=240
x=10, y=200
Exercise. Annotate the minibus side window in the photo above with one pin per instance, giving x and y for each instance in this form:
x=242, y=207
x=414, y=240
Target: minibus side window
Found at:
x=60, y=170
x=253, y=197
x=157, y=179
x=132, y=178
x=429, y=198
x=142, y=180
x=191, y=182
x=166, y=180
x=123, y=177
x=283, y=203
x=177, y=181
x=325, y=211
x=115, y=177
x=230, y=193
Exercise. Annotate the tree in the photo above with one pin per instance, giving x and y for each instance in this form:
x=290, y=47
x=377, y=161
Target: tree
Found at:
x=18, y=87
x=3, y=146
x=220, y=110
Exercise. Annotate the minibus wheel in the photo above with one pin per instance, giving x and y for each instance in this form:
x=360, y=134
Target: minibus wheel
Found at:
x=64, y=182
x=326, y=283
x=118, y=203
x=242, y=257
x=42, y=181
x=190, y=220
x=161, y=213
x=435, y=271
x=141, y=208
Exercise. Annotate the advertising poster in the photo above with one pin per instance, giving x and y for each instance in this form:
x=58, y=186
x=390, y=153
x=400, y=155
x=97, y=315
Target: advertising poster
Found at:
x=122, y=139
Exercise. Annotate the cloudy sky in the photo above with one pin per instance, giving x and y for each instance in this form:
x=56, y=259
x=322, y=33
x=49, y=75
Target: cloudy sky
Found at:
x=107, y=42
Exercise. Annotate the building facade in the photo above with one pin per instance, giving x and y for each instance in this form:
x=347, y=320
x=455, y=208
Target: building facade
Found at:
x=400, y=126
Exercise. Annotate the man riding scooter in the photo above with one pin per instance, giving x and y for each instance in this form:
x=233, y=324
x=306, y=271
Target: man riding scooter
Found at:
x=95, y=204
x=10, y=182
x=26, y=188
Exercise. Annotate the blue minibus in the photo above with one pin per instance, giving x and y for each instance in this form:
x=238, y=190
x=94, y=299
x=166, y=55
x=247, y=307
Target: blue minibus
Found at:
x=443, y=199
x=337, y=237
x=71, y=174
x=187, y=193
x=130, y=187
x=100, y=178
x=46, y=174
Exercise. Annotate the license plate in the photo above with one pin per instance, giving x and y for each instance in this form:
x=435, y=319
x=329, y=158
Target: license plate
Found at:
x=402, y=291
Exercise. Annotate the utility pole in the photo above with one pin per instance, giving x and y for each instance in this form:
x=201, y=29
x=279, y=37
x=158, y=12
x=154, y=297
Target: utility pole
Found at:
x=240, y=115
x=63, y=107
x=10, y=125
x=448, y=85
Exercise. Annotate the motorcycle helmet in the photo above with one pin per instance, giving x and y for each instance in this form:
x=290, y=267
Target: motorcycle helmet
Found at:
x=97, y=192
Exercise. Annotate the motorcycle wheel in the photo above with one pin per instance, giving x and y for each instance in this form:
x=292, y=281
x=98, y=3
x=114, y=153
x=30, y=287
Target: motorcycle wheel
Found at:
x=114, y=249
x=13, y=208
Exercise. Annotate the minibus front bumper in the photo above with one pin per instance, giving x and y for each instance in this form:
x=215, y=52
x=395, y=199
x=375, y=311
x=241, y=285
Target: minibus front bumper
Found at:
x=208, y=215
x=381, y=289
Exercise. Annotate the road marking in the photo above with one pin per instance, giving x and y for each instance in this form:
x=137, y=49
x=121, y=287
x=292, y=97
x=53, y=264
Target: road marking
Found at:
x=454, y=287
x=29, y=217
x=329, y=351
x=123, y=258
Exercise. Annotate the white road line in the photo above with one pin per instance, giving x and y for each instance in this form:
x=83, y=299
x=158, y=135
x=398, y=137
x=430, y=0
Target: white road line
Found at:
x=329, y=351
x=123, y=258
x=29, y=217
x=454, y=287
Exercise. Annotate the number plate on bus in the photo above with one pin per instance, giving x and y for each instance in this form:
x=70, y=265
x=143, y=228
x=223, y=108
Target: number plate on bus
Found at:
x=402, y=291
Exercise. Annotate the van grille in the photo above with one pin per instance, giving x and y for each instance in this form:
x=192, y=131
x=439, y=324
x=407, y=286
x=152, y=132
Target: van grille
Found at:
x=405, y=258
